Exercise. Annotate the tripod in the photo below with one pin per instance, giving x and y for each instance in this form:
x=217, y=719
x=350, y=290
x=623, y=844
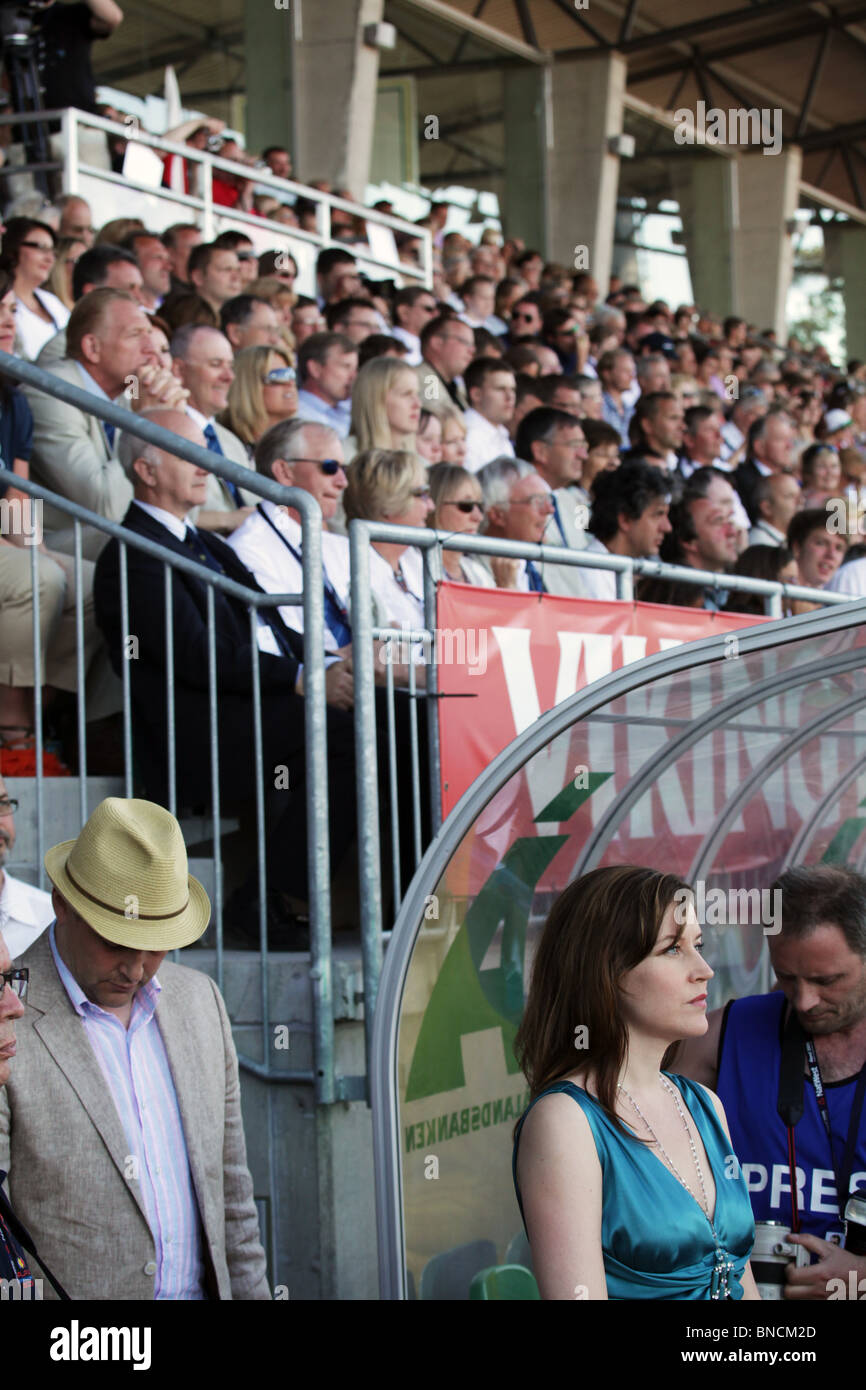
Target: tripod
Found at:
x=25, y=92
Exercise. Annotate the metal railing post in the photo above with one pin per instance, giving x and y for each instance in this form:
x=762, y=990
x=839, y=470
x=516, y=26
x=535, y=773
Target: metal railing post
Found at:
x=432, y=693
x=37, y=714
x=80, y=674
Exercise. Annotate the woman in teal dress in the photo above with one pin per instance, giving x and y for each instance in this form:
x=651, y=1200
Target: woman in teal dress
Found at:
x=623, y=1170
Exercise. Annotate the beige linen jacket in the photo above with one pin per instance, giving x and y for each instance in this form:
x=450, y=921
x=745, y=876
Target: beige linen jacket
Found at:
x=64, y=1148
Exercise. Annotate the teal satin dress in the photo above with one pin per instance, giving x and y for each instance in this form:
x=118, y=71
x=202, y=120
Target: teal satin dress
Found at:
x=655, y=1238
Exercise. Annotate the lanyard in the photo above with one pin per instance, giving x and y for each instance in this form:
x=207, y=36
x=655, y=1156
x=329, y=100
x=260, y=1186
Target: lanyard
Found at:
x=842, y=1175
x=330, y=591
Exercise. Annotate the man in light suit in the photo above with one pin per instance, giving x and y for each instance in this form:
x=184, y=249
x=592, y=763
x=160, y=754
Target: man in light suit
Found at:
x=109, y=349
x=554, y=443
x=203, y=362
x=121, y=1127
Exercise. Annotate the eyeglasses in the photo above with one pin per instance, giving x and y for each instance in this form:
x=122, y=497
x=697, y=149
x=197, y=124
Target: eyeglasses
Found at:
x=17, y=980
x=527, y=318
x=246, y=255
x=7, y=804
x=329, y=466
x=537, y=503
x=280, y=376
x=465, y=507
x=420, y=492
x=38, y=246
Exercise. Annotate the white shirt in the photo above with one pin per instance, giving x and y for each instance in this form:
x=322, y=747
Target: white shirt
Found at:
x=484, y=441
x=599, y=583
x=410, y=341
x=397, y=607
x=732, y=438
x=32, y=331
x=849, y=579
x=762, y=533
x=25, y=912
x=279, y=571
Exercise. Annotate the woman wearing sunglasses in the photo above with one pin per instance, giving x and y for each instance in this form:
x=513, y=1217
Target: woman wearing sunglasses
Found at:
x=263, y=393
x=458, y=508
x=29, y=250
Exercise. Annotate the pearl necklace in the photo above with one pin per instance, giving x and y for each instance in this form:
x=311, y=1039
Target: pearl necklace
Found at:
x=720, y=1282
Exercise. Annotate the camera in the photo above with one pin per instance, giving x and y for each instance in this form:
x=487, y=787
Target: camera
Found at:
x=771, y=1254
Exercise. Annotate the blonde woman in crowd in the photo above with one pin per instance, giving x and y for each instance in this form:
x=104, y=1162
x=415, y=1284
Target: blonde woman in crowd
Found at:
x=59, y=282
x=390, y=485
x=386, y=407
x=453, y=434
x=263, y=393
x=428, y=443
x=458, y=508
x=281, y=297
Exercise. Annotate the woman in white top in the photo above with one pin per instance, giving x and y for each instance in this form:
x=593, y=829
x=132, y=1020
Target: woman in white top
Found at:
x=29, y=249
x=458, y=507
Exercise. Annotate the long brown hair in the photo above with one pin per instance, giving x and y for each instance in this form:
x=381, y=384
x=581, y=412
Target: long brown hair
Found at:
x=601, y=926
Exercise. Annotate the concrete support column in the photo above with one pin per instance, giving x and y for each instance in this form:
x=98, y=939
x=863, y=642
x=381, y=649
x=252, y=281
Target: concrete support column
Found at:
x=309, y=69
x=845, y=257
x=706, y=190
x=584, y=108
x=769, y=191
x=525, y=141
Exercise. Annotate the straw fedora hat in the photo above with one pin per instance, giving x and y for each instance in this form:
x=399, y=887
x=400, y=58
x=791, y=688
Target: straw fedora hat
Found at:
x=127, y=876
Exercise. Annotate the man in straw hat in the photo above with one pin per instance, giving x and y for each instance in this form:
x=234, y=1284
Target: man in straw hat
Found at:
x=121, y=1127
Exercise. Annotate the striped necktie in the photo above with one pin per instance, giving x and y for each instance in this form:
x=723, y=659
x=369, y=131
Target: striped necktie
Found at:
x=536, y=583
x=213, y=445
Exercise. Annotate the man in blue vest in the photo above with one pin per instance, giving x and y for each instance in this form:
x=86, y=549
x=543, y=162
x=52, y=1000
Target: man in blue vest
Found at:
x=790, y=1069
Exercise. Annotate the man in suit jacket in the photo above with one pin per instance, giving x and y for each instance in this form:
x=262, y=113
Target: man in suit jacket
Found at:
x=121, y=1128
x=109, y=350
x=553, y=442
x=203, y=362
x=771, y=450
x=166, y=489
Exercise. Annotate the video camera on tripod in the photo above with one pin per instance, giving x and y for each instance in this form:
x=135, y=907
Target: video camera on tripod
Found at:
x=19, y=50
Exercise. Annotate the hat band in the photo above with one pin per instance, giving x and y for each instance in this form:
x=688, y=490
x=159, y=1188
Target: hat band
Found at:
x=121, y=912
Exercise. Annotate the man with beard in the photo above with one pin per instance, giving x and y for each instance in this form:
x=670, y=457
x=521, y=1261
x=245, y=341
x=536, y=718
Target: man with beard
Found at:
x=814, y=1027
x=25, y=912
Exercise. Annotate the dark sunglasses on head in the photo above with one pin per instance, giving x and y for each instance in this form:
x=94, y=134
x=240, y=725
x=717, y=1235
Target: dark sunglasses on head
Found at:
x=280, y=375
x=329, y=466
x=467, y=507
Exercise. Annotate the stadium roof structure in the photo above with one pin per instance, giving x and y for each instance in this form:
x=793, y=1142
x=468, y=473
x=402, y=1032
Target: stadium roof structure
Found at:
x=805, y=57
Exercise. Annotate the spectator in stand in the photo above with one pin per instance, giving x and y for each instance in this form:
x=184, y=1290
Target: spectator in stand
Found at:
x=154, y=263
x=616, y=373
x=836, y=429
x=527, y=319
x=230, y=189
x=770, y=450
x=263, y=393
x=479, y=300
x=25, y=912
x=279, y=265
x=250, y=322
x=458, y=508
x=777, y=499
x=336, y=275
x=355, y=318
x=487, y=344
x=592, y=399
x=773, y=562
x=215, y=274
x=447, y=346
x=380, y=345
x=702, y=439
x=703, y=537
x=76, y=221
x=653, y=373
x=390, y=485
x=656, y=431
x=243, y=248
x=508, y=291
x=116, y=231
x=548, y=361
x=819, y=551
x=563, y=394
x=750, y=405
x=491, y=391
x=453, y=433
x=428, y=441
x=821, y=475
x=602, y=442
x=182, y=175
x=184, y=310
x=59, y=282
x=178, y=240
x=530, y=393
x=108, y=266
x=524, y=358
x=65, y=34
x=307, y=319
x=281, y=299
x=564, y=335
x=278, y=160
x=734, y=332
x=414, y=308
x=554, y=443
x=327, y=368
x=386, y=407
x=518, y=506
x=108, y=343
x=29, y=250
x=629, y=517
x=530, y=264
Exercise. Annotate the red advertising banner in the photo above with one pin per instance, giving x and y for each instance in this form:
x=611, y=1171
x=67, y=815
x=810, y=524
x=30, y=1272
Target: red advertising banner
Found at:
x=516, y=655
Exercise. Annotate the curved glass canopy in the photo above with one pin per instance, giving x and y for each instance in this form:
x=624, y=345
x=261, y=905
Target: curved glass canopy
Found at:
x=724, y=761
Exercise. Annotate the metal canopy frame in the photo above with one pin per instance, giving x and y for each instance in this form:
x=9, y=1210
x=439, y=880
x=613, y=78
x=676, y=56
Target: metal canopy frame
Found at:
x=581, y=706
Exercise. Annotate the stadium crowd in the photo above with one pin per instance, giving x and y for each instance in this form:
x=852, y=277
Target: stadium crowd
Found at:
x=510, y=398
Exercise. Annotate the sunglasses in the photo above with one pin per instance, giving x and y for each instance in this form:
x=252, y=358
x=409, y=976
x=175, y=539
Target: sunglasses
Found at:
x=38, y=246
x=246, y=255
x=17, y=980
x=280, y=376
x=527, y=318
x=466, y=507
x=328, y=466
